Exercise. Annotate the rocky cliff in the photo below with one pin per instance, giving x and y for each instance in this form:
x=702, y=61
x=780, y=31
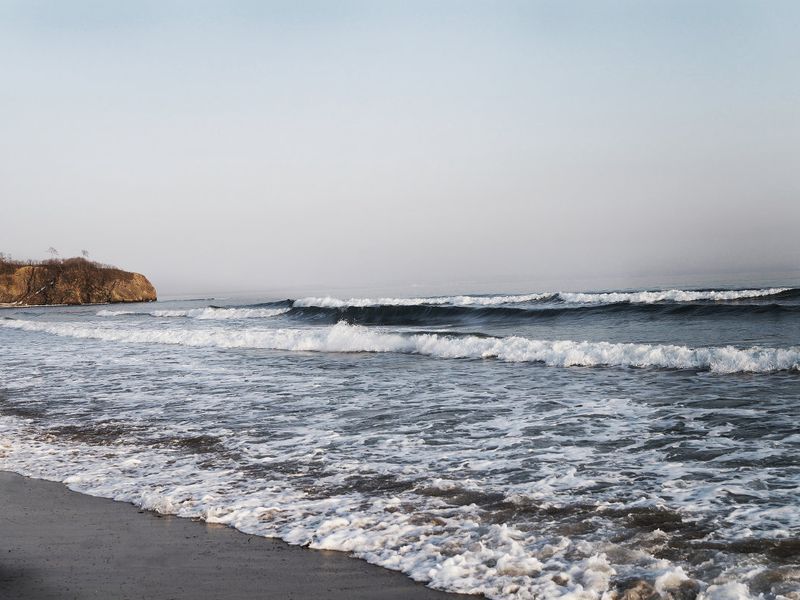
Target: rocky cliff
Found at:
x=70, y=281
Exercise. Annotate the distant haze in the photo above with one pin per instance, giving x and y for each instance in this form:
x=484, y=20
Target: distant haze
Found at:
x=256, y=145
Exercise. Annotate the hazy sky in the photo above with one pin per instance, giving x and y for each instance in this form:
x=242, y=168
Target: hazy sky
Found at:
x=257, y=145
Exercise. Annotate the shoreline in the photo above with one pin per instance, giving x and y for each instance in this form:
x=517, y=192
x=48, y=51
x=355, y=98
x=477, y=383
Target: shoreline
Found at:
x=58, y=543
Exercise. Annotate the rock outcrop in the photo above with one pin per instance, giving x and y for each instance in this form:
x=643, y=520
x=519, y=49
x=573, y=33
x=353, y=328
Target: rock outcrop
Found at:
x=70, y=281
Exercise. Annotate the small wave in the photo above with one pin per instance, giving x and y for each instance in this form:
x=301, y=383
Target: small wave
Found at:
x=217, y=313
x=353, y=338
x=208, y=313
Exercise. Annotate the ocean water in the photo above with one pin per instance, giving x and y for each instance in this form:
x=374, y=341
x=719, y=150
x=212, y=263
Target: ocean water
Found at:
x=537, y=445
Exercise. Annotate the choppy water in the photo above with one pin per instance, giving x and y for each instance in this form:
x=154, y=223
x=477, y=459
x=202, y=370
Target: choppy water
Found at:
x=530, y=446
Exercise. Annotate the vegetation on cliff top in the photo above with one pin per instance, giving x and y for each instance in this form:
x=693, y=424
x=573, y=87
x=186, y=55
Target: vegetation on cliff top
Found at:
x=69, y=281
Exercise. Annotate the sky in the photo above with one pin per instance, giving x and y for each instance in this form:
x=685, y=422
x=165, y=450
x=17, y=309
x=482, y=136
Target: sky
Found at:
x=446, y=145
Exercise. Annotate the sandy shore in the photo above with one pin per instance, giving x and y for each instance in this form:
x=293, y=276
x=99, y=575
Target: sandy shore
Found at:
x=56, y=543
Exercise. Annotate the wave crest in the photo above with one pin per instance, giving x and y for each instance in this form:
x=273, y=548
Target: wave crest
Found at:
x=667, y=296
x=354, y=338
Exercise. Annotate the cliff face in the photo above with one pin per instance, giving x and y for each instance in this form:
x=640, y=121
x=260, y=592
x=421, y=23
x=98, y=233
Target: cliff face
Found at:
x=71, y=281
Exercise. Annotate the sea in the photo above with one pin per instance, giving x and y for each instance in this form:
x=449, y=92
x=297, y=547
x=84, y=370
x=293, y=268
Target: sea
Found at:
x=537, y=445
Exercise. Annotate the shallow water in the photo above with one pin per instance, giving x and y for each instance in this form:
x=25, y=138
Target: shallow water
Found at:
x=537, y=445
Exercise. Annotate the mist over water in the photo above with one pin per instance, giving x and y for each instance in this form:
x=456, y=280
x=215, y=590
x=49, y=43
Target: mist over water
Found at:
x=251, y=146
x=543, y=444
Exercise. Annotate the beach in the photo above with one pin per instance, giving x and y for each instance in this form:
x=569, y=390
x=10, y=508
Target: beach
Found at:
x=57, y=543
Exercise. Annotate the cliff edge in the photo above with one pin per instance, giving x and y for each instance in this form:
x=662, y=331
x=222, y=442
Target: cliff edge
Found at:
x=70, y=281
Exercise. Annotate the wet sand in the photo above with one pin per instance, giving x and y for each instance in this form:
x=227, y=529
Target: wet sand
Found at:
x=56, y=543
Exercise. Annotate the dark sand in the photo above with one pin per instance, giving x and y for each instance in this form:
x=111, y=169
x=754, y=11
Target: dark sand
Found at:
x=56, y=543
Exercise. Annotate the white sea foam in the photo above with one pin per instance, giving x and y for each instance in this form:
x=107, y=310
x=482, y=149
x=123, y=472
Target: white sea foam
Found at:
x=207, y=313
x=448, y=549
x=353, y=338
x=732, y=590
x=646, y=297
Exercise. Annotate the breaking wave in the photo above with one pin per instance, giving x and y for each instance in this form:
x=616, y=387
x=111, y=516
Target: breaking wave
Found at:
x=438, y=314
x=353, y=338
x=645, y=297
x=208, y=313
x=435, y=310
x=431, y=315
x=329, y=302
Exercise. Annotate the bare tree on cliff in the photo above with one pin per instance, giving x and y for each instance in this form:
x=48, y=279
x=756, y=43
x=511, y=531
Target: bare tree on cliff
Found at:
x=53, y=270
